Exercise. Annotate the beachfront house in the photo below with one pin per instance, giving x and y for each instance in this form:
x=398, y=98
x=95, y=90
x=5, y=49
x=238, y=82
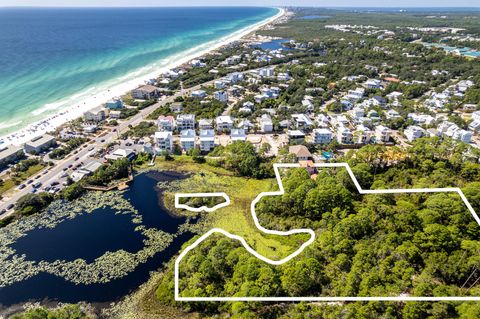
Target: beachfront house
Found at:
x=97, y=115
x=10, y=154
x=114, y=104
x=163, y=142
x=187, y=139
x=146, y=92
x=39, y=144
x=115, y=115
x=207, y=140
x=185, y=122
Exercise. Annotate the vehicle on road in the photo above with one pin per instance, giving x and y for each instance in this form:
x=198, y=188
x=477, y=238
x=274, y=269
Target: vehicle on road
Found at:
x=22, y=186
x=29, y=181
x=10, y=206
x=37, y=185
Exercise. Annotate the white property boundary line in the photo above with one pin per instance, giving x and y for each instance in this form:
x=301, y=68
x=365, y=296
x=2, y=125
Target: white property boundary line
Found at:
x=300, y=231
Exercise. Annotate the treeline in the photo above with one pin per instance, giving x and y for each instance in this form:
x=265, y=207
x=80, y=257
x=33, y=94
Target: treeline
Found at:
x=243, y=159
x=67, y=148
x=367, y=245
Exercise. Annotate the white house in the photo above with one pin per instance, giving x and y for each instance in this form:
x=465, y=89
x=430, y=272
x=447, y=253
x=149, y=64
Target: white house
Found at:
x=166, y=123
x=207, y=140
x=357, y=112
x=382, y=133
x=373, y=84
x=474, y=126
x=476, y=116
x=185, y=122
x=266, y=124
x=163, y=142
x=205, y=124
x=414, y=132
x=199, y=94
x=97, y=115
x=355, y=95
x=235, y=77
x=344, y=135
x=266, y=72
x=322, y=136
x=392, y=114
x=296, y=136
x=187, y=139
x=238, y=134
x=221, y=96
x=224, y=123
x=302, y=121
x=219, y=85
x=463, y=135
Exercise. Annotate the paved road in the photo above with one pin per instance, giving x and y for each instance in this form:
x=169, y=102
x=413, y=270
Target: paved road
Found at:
x=84, y=152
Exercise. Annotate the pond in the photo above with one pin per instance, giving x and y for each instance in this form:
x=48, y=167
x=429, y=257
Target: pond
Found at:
x=88, y=236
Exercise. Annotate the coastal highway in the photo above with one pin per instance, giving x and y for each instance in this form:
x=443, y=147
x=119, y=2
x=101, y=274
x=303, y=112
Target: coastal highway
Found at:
x=84, y=152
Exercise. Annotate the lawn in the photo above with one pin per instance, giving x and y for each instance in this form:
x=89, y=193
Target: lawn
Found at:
x=235, y=218
x=10, y=182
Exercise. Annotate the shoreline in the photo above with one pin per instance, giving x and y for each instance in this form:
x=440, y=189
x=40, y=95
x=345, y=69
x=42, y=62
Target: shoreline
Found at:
x=76, y=109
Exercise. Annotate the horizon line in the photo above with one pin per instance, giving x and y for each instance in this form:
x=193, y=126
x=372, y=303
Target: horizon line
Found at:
x=240, y=6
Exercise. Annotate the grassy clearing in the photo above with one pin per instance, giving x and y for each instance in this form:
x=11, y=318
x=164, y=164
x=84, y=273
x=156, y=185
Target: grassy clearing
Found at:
x=235, y=218
x=10, y=182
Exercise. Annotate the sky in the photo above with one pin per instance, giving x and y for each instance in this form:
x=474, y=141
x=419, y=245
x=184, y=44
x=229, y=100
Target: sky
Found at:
x=321, y=3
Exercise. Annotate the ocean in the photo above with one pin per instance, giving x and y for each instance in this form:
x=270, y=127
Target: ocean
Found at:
x=52, y=59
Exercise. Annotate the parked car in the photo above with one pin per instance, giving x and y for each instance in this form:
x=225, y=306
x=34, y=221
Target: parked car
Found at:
x=10, y=206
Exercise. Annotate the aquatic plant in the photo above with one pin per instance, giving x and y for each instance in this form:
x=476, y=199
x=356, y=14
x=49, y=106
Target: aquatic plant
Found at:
x=109, y=266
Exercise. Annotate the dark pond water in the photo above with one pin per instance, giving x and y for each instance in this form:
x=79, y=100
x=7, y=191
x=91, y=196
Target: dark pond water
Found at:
x=89, y=236
x=273, y=45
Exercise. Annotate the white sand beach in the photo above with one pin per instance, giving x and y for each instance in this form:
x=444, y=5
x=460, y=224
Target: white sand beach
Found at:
x=88, y=102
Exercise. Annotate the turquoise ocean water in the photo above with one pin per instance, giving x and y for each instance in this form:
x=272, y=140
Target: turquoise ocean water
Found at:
x=52, y=58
